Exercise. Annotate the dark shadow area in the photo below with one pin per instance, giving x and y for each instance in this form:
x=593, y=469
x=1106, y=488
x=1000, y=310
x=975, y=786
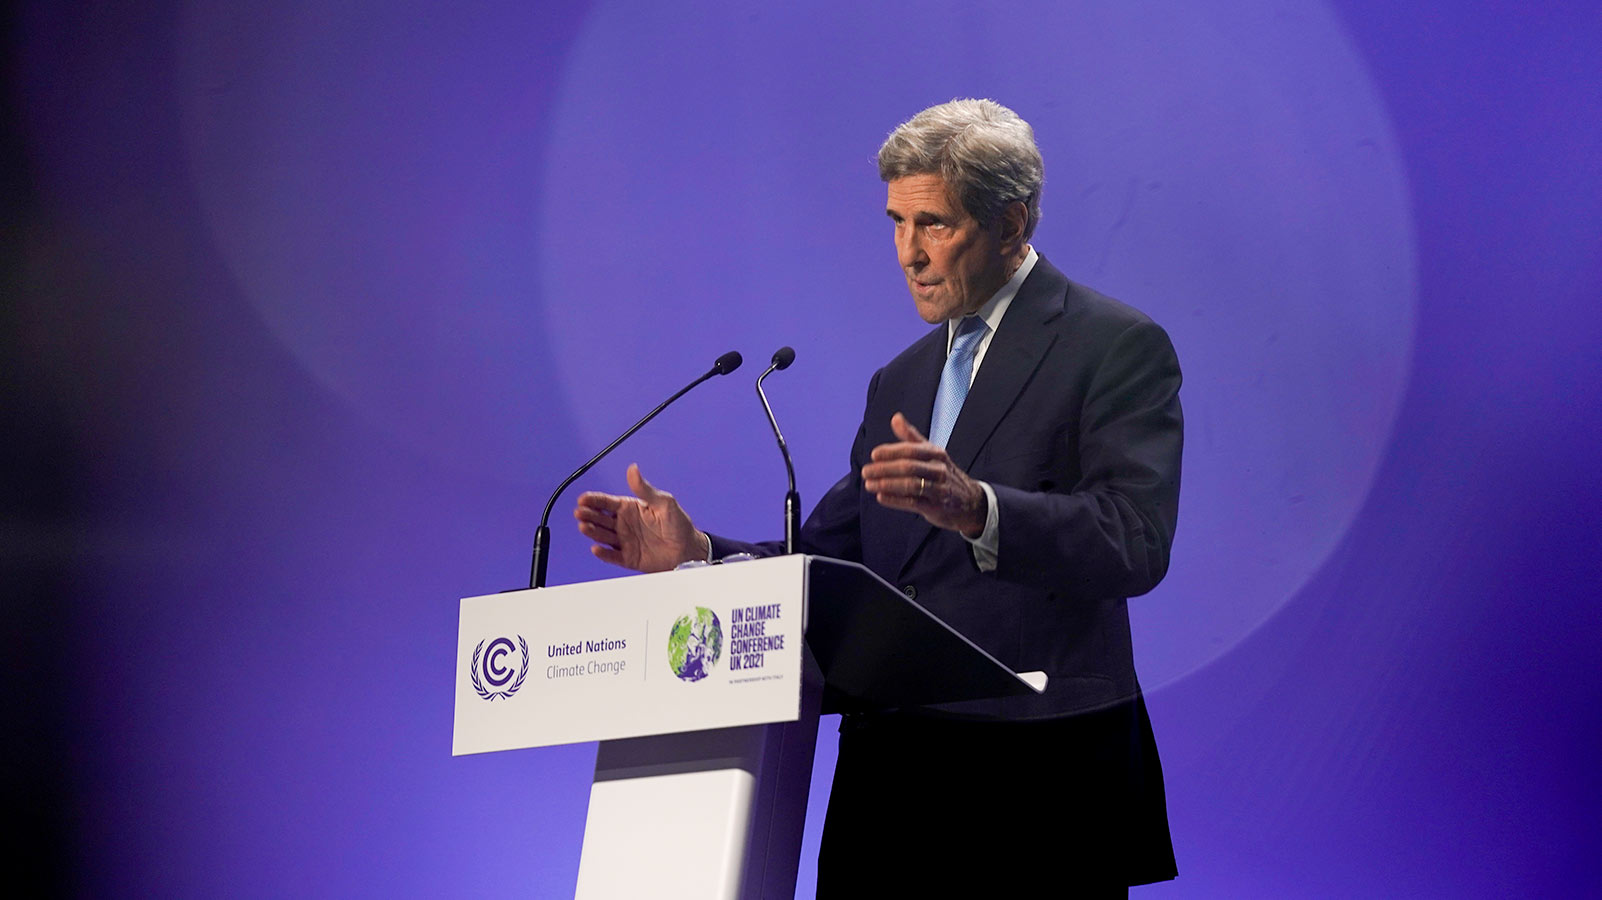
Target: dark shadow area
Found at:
x=37, y=546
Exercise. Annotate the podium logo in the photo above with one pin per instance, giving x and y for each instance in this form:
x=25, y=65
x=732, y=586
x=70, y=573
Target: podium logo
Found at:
x=489, y=667
x=694, y=644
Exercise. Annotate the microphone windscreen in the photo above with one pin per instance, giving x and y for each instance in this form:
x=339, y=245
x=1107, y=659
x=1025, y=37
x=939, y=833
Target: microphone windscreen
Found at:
x=728, y=362
x=783, y=356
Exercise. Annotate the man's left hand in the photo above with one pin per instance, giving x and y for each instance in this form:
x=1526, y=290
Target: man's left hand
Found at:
x=915, y=475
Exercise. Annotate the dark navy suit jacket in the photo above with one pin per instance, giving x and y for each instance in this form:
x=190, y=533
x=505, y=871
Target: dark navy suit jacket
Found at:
x=1074, y=420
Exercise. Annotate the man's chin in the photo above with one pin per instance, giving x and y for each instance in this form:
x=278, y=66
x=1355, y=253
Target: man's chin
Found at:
x=933, y=313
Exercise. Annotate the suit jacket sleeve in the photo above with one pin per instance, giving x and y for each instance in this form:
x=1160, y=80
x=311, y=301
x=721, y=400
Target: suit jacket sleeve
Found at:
x=1109, y=534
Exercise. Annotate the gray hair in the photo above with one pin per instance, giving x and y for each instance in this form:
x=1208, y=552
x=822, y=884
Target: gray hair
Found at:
x=981, y=149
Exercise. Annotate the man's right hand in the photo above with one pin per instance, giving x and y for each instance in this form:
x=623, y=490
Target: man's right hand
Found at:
x=648, y=532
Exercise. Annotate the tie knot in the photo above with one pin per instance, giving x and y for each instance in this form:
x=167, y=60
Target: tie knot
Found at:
x=969, y=331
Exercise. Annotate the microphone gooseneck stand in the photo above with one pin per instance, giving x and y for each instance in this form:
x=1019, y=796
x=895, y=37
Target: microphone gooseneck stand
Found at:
x=725, y=364
x=792, y=500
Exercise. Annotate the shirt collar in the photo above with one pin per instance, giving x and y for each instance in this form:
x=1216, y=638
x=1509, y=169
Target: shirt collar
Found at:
x=996, y=306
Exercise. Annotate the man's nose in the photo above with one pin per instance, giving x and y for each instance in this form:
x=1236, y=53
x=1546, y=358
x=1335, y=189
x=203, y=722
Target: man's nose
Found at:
x=909, y=250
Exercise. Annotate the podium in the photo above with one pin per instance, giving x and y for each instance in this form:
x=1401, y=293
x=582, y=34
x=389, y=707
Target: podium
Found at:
x=704, y=688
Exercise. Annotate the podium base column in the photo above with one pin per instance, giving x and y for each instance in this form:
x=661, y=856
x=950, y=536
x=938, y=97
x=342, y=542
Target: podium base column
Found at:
x=704, y=814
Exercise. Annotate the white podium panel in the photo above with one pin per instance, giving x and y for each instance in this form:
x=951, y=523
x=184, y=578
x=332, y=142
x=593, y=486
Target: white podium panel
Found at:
x=696, y=853
x=705, y=648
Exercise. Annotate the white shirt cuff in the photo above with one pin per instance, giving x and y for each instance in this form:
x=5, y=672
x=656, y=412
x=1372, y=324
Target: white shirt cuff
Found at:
x=987, y=546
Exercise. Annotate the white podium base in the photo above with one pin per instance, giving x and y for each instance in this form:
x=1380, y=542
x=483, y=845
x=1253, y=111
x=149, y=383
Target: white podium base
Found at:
x=705, y=815
x=668, y=836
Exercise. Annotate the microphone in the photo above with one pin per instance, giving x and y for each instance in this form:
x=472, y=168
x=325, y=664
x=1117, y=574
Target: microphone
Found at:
x=725, y=364
x=792, y=500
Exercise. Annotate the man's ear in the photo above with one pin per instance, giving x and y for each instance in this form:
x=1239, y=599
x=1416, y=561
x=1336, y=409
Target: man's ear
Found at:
x=1014, y=218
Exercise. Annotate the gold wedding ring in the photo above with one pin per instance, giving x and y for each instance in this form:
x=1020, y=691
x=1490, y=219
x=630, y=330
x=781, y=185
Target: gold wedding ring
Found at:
x=920, y=488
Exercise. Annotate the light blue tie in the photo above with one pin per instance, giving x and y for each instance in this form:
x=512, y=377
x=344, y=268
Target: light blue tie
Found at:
x=955, y=378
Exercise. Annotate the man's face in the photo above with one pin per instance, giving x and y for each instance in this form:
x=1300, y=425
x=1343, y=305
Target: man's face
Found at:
x=952, y=264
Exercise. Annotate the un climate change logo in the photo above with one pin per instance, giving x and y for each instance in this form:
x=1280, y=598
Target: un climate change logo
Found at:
x=488, y=667
x=694, y=644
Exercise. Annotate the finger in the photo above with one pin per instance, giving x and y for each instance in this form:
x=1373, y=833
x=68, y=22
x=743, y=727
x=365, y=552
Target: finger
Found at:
x=891, y=500
x=913, y=490
x=607, y=554
x=905, y=450
x=600, y=501
x=605, y=517
x=904, y=468
x=637, y=483
x=602, y=545
x=905, y=430
x=600, y=534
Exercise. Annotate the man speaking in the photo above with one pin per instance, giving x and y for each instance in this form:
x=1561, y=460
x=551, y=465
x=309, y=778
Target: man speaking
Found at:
x=1017, y=474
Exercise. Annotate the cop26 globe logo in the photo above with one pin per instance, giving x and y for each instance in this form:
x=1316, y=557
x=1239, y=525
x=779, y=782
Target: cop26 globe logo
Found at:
x=694, y=644
x=489, y=666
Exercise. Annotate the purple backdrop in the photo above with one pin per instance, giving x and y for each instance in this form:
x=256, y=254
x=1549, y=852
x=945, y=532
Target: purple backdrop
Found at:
x=309, y=305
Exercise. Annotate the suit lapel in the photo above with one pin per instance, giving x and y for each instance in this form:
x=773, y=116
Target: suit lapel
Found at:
x=1014, y=354
x=917, y=402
